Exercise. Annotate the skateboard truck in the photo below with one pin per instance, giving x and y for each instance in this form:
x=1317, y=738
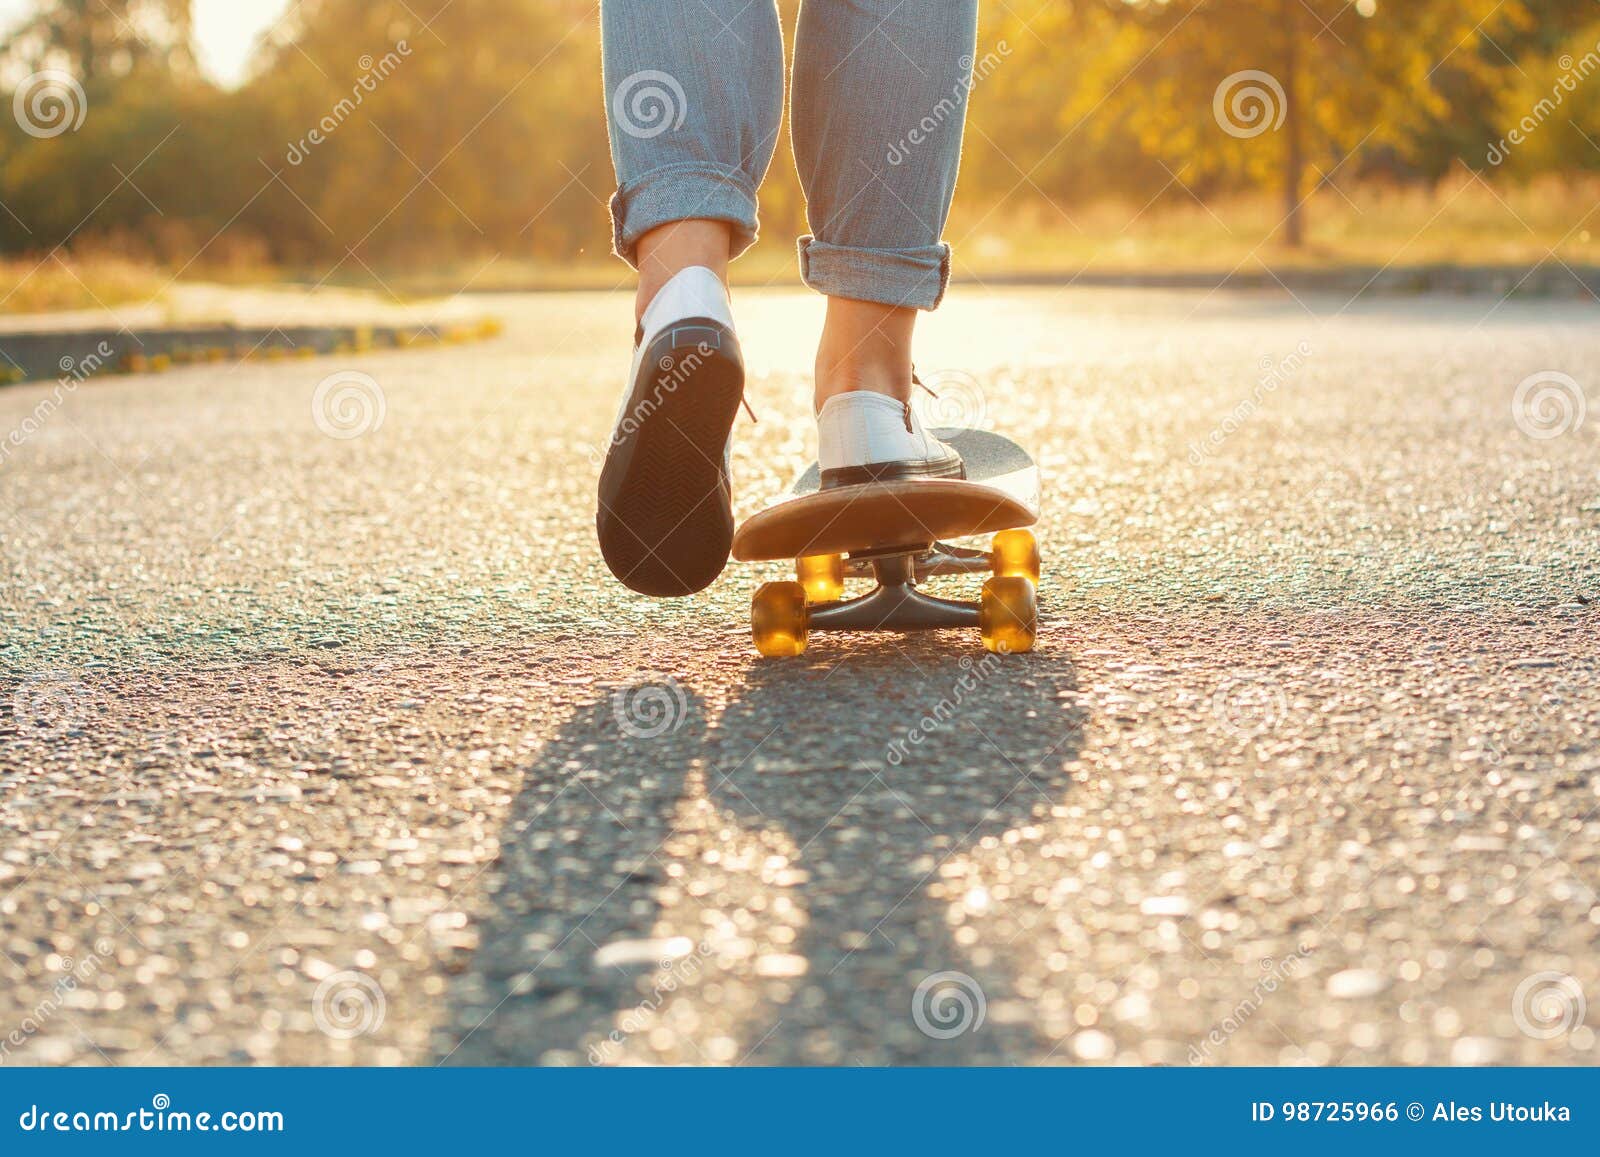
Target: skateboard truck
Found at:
x=783, y=614
x=896, y=603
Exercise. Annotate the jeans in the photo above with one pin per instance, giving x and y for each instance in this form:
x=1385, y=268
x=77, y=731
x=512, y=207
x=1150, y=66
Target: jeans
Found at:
x=694, y=92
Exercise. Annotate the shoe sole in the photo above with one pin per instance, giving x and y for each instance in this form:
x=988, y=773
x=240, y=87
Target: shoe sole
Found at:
x=665, y=519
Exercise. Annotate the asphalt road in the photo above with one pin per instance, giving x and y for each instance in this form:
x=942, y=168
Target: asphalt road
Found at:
x=345, y=749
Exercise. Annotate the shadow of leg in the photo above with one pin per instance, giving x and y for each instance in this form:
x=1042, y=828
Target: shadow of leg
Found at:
x=882, y=821
x=573, y=896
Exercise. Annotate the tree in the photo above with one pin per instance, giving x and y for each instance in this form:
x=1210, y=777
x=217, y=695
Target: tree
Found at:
x=96, y=39
x=1267, y=92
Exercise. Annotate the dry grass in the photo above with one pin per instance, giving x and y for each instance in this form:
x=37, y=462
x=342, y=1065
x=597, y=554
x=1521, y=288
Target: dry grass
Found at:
x=59, y=282
x=1463, y=221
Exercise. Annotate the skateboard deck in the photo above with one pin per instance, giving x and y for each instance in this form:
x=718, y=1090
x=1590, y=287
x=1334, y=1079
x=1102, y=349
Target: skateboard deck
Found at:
x=895, y=532
x=1000, y=492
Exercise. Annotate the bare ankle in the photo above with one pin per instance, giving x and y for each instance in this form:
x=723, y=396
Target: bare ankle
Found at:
x=669, y=249
x=864, y=346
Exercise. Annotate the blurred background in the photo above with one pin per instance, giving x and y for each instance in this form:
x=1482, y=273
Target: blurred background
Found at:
x=155, y=139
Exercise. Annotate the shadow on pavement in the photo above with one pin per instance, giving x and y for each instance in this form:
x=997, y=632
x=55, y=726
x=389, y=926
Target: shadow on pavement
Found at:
x=934, y=751
x=875, y=771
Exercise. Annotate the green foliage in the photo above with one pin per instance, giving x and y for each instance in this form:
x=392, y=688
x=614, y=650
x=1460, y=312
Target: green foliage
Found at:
x=1549, y=119
x=377, y=133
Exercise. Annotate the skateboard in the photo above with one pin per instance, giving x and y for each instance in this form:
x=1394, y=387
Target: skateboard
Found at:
x=897, y=533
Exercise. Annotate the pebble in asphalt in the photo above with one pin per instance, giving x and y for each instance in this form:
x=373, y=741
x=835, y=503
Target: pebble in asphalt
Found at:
x=346, y=749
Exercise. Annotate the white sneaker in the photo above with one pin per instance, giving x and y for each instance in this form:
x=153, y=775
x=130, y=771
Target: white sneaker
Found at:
x=868, y=437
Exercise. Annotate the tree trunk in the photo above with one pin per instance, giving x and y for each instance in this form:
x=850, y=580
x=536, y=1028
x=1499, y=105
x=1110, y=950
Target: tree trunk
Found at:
x=1293, y=129
x=84, y=23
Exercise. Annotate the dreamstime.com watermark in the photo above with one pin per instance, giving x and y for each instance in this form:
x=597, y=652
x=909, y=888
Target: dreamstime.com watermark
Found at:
x=52, y=705
x=348, y=1004
x=949, y=105
x=943, y=711
x=1274, y=972
x=348, y=404
x=1274, y=374
x=951, y=398
x=1547, y=1005
x=49, y=103
x=73, y=973
x=1524, y=726
x=649, y=705
x=160, y=1117
x=74, y=371
x=1548, y=404
x=1573, y=74
x=1248, y=103
x=373, y=73
x=672, y=370
x=648, y=103
x=671, y=974
x=947, y=1005
x=1249, y=705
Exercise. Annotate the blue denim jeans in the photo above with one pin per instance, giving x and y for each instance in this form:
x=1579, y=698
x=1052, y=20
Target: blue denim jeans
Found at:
x=878, y=98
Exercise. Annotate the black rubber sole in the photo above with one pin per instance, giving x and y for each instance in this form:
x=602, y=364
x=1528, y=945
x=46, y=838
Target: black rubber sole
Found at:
x=890, y=472
x=665, y=518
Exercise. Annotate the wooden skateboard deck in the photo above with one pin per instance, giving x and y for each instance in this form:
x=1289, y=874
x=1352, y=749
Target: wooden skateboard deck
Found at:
x=894, y=533
x=1000, y=492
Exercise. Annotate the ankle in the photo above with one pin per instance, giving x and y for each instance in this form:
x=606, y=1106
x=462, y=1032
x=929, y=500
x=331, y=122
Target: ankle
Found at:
x=891, y=379
x=666, y=251
x=864, y=346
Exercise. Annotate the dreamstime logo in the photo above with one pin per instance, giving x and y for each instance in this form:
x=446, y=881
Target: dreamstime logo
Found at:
x=954, y=398
x=1573, y=74
x=1274, y=973
x=1548, y=404
x=74, y=972
x=672, y=370
x=944, y=710
x=348, y=404
x=1548, y=1004
x=1274, y=374
x=649, y=103
x=1249, y=705
x=73, y=372
x=373, y=73
x=650, y=706
x=673, y=973
x=49, y=103
x=947, y=1004
x=1249, y=103
x=948, y=106
x=348, y=1004
x=51, y=706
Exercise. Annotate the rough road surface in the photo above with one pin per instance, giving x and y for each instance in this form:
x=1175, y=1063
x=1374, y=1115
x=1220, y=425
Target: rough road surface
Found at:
x=321, y=748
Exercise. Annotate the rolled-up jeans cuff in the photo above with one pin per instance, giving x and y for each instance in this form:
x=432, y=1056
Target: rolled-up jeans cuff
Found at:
x=678, y=193
x=901, y=277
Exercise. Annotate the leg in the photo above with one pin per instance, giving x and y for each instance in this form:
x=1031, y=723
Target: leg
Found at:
x=694, y=92
x=878, y=106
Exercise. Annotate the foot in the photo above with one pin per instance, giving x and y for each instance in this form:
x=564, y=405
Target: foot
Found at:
x=666, y=516
x=871, y=437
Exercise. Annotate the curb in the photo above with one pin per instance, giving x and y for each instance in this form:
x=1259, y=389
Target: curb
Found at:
x=26, y=357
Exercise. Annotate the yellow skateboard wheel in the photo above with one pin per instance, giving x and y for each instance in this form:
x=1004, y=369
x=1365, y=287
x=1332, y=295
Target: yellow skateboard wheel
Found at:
x=1016, y=552
x=1008, y=615
x=778, y=619
x=822, y=575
